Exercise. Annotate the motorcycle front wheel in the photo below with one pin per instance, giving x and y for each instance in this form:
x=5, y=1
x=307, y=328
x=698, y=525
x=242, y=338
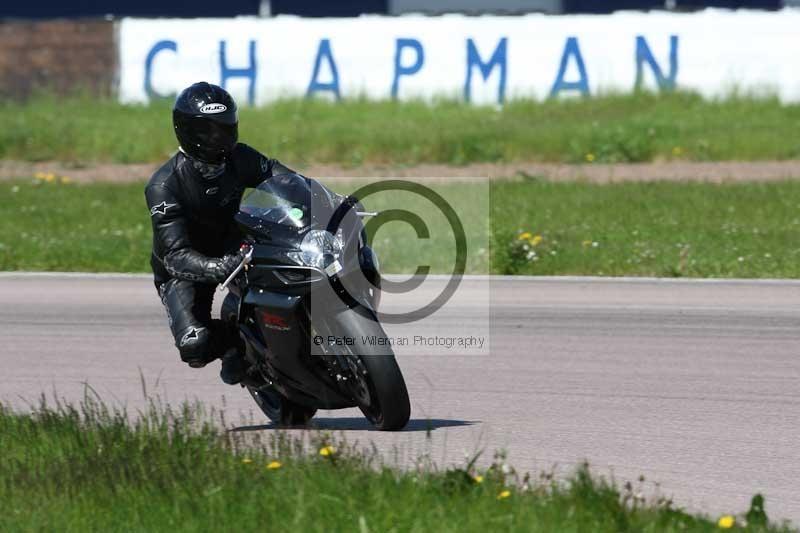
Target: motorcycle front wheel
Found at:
x=376, y=384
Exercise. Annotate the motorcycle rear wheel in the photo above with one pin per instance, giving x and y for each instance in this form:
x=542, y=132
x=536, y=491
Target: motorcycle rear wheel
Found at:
x=280, y=410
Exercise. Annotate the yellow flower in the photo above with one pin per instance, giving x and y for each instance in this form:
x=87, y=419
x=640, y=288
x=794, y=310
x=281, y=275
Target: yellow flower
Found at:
x=677, y=151
x=525, y=236
x=66, y=179
x=589, y=157
x=726, y=522
x=536, y=240
x=50, y=177
x=39, y=175
x=478, y=479
x=247, y=460
x=274, y=465
x=327, y=451
x=586, y=243
x=503, y=495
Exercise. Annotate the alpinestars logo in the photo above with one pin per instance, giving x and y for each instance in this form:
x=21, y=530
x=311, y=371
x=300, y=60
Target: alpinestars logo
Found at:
x=192, y=335
x=160, y=209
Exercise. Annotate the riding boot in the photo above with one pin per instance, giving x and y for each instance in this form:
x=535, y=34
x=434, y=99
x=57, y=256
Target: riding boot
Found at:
x=233, y=367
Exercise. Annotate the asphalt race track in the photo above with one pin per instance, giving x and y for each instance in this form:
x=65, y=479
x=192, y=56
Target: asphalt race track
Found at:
x=695, y=384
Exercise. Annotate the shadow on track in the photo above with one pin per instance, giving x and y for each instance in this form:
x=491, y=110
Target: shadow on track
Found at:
x=362, y=424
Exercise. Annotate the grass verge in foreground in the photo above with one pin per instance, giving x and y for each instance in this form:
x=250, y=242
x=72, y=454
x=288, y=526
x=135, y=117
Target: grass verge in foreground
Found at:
x=91, y=469
x=615, y=128
x=747, y=230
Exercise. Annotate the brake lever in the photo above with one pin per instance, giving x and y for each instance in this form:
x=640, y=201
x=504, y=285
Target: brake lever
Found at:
x=239, y=268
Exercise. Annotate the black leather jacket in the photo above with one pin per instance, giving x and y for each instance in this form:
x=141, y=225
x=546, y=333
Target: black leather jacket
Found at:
x=192, y=215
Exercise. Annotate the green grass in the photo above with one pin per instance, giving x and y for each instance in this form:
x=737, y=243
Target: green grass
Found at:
x=749, y=230
x=614, y=128
x=88, y=468
x=744, y=230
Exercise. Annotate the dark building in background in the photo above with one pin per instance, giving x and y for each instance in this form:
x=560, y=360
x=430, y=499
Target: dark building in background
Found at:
x=609, y=6
x=323, y=8
x=196, y=8
x=749, y=4
x=41, y=9
x=474, y=7
x=48, y=9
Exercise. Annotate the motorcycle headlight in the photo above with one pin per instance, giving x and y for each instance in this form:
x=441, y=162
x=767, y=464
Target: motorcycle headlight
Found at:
x=320, y=249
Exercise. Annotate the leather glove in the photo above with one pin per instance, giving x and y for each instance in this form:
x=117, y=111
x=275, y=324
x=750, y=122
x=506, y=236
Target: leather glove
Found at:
x=220, y=269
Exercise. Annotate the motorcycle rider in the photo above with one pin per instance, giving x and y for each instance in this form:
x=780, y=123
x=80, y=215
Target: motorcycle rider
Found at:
x=192, y=199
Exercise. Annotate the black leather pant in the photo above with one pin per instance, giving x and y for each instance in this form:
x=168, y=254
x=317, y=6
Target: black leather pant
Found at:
x=199, y=338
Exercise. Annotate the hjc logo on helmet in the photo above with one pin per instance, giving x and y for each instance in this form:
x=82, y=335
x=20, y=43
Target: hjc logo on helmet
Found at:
x=213, y=108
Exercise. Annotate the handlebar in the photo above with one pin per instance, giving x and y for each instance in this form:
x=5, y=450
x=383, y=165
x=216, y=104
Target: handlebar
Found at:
x=247, y=258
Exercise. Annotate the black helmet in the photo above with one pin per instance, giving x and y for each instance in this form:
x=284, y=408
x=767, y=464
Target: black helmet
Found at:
x=206, y=122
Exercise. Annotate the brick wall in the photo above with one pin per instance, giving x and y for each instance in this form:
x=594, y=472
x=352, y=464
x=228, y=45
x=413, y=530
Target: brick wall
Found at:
x=58, y=55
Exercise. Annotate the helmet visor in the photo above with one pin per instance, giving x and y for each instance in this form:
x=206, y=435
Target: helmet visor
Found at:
x=214, y=140
x=230, y=116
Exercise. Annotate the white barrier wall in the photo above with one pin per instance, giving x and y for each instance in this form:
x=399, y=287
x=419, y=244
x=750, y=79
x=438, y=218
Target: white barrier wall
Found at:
x=480, y=59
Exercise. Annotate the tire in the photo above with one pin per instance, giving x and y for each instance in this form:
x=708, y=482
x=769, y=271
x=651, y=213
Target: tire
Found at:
x=282, y=411
x=393, y=408
x=389, y=408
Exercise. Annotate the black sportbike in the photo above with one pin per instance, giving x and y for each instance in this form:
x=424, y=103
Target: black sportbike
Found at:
x=305, y=303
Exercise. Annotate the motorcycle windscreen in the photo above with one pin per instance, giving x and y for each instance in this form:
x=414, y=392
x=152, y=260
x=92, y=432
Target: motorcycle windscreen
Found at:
x=286, y=199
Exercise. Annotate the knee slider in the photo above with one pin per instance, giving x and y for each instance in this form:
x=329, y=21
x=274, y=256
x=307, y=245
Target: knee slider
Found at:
x=193, y=345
